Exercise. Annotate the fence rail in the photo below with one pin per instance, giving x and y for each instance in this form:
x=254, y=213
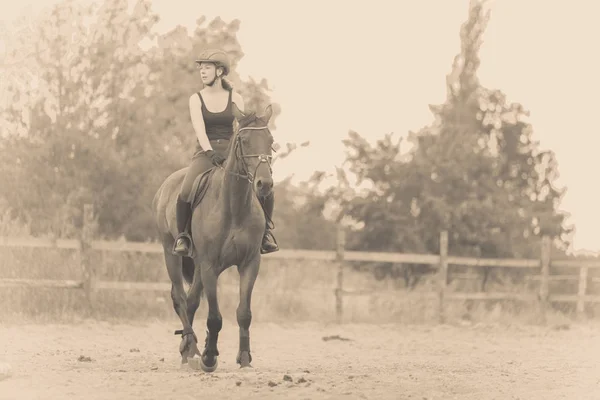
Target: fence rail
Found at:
x=339, y=257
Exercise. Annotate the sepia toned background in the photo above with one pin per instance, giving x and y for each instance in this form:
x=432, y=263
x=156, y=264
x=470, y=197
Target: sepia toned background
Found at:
x=398, y=122
x=376, y=67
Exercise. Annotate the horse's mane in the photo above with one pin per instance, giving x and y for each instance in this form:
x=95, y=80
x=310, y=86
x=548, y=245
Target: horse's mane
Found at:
x=248, y=119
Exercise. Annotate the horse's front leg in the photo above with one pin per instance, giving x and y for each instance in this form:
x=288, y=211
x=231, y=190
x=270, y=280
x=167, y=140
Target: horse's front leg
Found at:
x=214, y=321
x=248, y=273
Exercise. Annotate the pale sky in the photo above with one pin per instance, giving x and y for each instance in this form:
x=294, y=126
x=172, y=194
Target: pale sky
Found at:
x=374, y=67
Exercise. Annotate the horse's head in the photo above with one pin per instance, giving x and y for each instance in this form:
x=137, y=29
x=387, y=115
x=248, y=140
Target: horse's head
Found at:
x=252, y=148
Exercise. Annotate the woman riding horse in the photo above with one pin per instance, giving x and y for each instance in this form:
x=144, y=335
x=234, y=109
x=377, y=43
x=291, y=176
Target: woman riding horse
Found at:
x=212, y=117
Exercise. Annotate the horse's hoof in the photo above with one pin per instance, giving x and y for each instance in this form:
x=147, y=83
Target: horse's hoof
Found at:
x=198, y=364
x=206, y=368
x=245, y=360
x=184, y=358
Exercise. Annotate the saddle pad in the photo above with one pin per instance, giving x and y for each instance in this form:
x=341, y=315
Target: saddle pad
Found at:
x=200, y=186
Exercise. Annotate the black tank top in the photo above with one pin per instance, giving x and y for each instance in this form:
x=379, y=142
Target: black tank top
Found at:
x=218, y=125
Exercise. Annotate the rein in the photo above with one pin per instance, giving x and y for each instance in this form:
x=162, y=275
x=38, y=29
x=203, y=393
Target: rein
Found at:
x=262, y=158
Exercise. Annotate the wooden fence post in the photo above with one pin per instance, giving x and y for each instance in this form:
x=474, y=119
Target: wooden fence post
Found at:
x=339, y=256
x=544, y=276
x=442, y=275
x=582, y=288
x=87, y=235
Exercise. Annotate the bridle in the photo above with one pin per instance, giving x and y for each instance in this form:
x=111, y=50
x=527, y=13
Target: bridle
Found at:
x=241, y=157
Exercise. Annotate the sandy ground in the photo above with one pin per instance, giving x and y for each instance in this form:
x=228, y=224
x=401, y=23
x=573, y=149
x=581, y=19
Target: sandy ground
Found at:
x=294, y=362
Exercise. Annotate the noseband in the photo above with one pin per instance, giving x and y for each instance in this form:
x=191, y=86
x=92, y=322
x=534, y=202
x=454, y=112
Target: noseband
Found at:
x=241, y=157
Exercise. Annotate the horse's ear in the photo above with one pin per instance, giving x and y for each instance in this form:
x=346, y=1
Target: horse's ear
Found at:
x=237, y=113
x=268, y=112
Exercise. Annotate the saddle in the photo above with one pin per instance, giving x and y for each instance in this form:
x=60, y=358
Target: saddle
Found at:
x=197, y=193
x=200, y=187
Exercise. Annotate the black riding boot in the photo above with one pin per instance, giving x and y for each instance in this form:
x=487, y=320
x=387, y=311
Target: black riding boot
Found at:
x=269, y=244
x=183, y=242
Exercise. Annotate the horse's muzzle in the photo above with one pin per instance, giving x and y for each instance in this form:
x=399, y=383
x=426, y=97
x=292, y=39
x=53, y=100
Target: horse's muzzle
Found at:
x=263, y=186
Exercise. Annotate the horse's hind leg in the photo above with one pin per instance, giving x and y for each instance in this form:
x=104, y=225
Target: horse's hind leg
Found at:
x=188, y=346
x=248, y=274
x=214, y=321
x=193, y=296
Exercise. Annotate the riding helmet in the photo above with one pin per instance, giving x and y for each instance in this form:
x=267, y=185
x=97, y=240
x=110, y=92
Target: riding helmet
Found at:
x=217, y=57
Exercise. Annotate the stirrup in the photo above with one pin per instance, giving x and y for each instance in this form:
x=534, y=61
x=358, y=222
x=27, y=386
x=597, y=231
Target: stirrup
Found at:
x=267, y=247
x=189, y=251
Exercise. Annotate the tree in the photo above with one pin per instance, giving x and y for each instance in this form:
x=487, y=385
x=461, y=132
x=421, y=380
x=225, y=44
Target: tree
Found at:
x=299, y=218
x=110, y=116
x=476, y=171
x=75, y=140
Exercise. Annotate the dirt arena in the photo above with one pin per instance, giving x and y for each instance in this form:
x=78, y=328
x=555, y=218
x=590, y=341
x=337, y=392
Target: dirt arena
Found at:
x=96, y=360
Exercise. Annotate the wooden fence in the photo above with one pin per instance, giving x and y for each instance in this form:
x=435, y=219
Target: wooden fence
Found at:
x=337, y=257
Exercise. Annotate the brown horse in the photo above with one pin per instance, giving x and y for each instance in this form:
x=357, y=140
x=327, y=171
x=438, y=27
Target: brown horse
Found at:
x=227, y=227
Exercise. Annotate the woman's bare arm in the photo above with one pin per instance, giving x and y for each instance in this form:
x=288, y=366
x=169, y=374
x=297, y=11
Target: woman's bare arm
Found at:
x=198, y=122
